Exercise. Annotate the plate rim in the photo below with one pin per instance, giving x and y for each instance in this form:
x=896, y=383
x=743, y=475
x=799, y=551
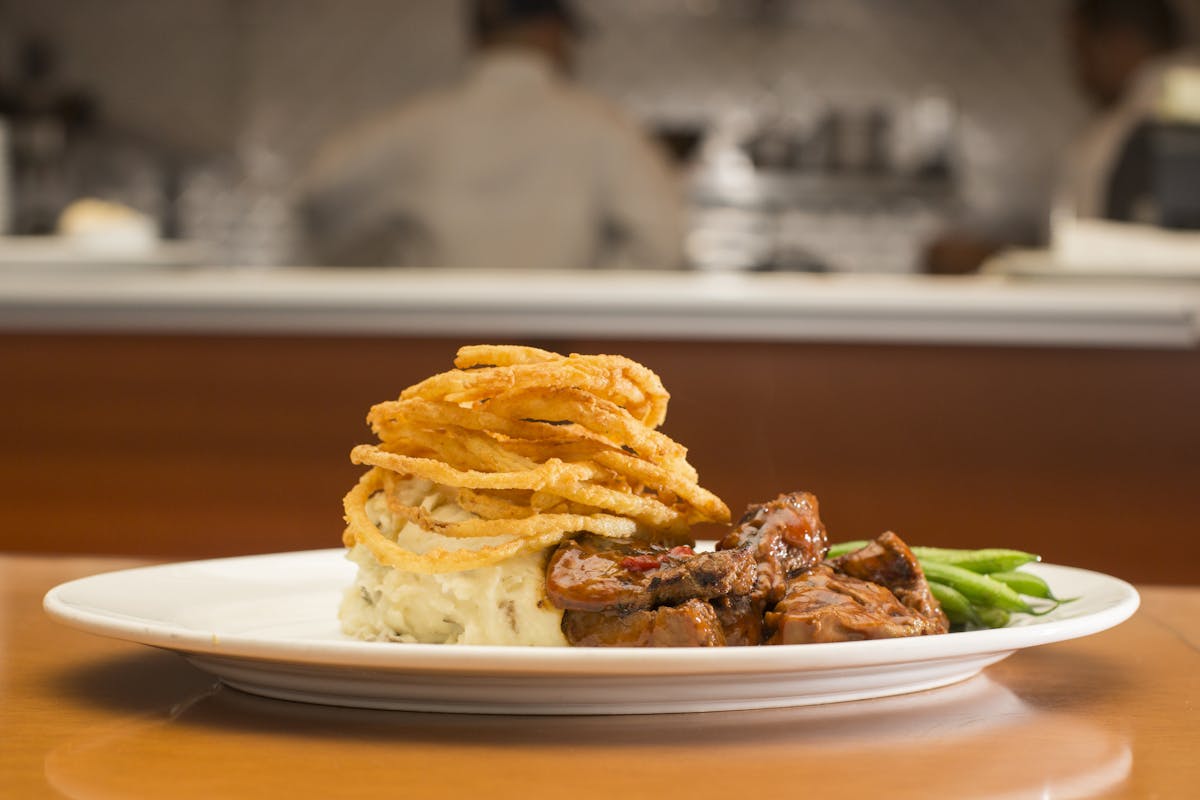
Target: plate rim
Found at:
x=614, y=662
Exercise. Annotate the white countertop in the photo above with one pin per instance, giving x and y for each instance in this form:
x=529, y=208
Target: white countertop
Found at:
x=645, y=305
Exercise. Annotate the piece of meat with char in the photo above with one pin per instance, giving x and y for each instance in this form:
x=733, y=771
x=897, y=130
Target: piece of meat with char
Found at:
x=889, y=562
x=767, y=582
x=595, y=573
x=787, y=537
x=691, y=624
x=823, y=606
x=876, y=592
x=741, y=619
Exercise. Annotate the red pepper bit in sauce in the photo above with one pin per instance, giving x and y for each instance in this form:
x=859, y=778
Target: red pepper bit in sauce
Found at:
x=641, y=563
x=648, y=561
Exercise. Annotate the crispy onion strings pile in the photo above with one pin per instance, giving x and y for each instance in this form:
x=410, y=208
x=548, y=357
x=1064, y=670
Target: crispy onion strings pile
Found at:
x=537, y=446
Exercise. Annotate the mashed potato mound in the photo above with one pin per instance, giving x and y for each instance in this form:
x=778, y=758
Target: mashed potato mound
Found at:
x=501, y=604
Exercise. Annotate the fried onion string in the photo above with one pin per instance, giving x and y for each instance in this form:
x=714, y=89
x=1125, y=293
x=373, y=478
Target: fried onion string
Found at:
x=535, y=447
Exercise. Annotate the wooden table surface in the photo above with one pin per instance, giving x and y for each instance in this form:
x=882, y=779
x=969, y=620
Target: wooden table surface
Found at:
x=1113, y=714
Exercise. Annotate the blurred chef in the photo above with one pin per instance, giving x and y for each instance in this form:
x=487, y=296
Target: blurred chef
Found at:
x=1122, y=51
x=515, y=167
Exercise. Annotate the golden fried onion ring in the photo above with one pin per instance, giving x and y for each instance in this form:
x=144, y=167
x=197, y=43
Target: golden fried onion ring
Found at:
x=550, y=530
x=537, y=446
x=614, y=378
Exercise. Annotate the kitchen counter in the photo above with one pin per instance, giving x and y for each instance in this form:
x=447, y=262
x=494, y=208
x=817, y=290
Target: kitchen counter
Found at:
x=643, y=305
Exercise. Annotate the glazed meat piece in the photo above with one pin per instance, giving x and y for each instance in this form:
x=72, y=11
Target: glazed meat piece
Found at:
x=703, y=576
x=767, y=583
x=741, y=619
x=823, y=606
x=888, y=562
x=595, y=573
x=785, y=536
x=692, y=624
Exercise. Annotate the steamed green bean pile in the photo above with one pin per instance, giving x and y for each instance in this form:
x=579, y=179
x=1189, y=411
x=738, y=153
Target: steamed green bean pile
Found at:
x=978, y=588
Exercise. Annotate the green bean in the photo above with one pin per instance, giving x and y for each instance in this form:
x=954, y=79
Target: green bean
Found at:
x=993, y=617
x=842, y=548
x=957, y=607
x=979, y=589
x=985, y=561
x=989, y=560
x=1024, y=583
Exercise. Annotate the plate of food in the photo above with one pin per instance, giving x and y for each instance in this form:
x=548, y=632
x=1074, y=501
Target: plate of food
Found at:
x=521, y=543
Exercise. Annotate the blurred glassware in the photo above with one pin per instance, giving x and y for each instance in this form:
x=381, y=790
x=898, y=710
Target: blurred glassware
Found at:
x=265, y=234
x=240, y=207
x=835, y=190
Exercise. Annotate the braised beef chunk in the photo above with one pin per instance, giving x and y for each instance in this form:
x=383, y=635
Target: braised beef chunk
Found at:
x=704, y=576
x=767, y=583
x=594, y=573
x=888, y=562
x=823, y=606
x=786, y=537
x=877, y=592
x=741, y=619
x=692, y=624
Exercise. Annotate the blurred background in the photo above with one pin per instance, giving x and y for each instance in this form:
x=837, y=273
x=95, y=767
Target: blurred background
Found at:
x=841, y=135
x=197, y=197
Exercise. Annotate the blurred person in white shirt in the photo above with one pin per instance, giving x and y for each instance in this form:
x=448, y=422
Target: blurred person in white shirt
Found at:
x=1125, y=53
x=1121, y=51
x=515, y=167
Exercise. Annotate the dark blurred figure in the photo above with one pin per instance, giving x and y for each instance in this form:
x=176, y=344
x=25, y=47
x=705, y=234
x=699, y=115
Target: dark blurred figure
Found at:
x=1135, y=163
x=515, y=167
x=1121, y=51
x=1111, y=40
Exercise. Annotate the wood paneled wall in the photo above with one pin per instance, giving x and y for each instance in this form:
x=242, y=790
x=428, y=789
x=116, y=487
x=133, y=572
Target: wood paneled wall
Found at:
x=195, y=446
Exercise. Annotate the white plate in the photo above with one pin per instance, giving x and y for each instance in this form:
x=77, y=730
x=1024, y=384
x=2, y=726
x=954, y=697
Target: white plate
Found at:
x=268, y=625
